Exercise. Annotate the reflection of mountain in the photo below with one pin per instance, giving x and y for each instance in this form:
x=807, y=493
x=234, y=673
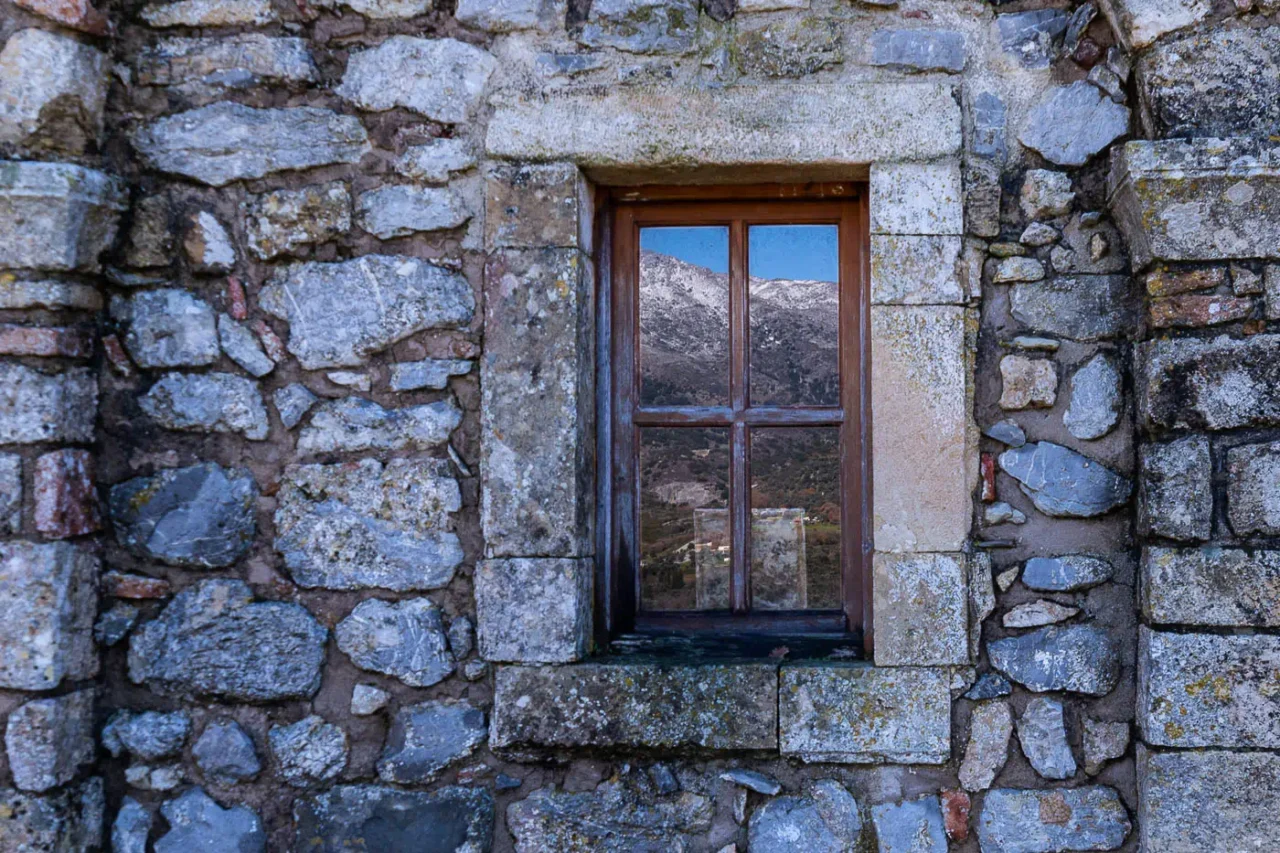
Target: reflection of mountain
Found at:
x=684, y=335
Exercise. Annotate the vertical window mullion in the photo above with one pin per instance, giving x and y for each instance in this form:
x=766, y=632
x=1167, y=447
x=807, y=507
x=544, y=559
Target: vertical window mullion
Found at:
x=739, y=382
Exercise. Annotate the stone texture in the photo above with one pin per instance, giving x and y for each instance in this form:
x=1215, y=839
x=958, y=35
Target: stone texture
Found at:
x=209, y=13
x=534, y=610
x=201, y=516
x=1214, y=384
x=207, y=402
x=1020, y=821
x=283, y=221
x=919, y=50
x=1077, y=658
x=1097, y=398
x=1016, y=269
x=913, y=826
x=1140, y=23
x=504, y=16
x=353, y=424
x=77, y=14
x=917, y=198
x=442, y=79
x=915, y=270
x=48, y=598
x=209, y=247
x=351, y=816
x=919, y=611
x=131, y=827
x=45, y=341
x=227, y=142
x=56, y=216
x=1204, y=690
x=1196, y=310
x=1175, y=492
x=1090, y=246
x=243, y=347
x=537, y=377
x=214, y=640
x=401, y=210
x=66, y=501
x=990, y=727
x=209, y=67
x=309, y=751
x=1063, y=483
x=367, y=700
x=10, y=494
x=431, y=373
x=426, y=738
x=41, y=407
x=788, y=47
x=364, y=524
x=1083, y=307
x=381, y=10
x=405, y=640
x=435, y=160
x=861, y=714
x=196, y=822
x=167, y=328
x=1036, y=614
x=711, y=706
x=70, y=820
x=827, y=820
x=1046, y=194
x=1211, y=586
x=1193, y=801
x=1028, y=382
x=48, y=294
x=336, y=321
x=534, y=206
x=1042, y=732
x=1033, y=37
x=1253, y=499
x=48, y=740
x=293, y=401
x=989, y=120
x=224, y=752
x=54, y=93
x=1073, y=123
x=642, y=26
x=146, y=735
x=1102, y=742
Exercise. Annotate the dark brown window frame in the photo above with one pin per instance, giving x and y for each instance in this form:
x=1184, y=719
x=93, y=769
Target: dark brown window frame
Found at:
x=621, y=215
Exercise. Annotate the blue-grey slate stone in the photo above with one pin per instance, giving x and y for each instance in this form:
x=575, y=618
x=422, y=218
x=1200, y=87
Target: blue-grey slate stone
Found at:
x=1096, y=399
x=919, y=50
x=1067, y=573
x=989, y=117
x=201, y=516
x=427, y=737
x=1079, y=658
x=642, y=26
x=371, y=817
x=1033, y=37
x=826, y=820
x=131, y=827
x=147, y=735
x=405, y=639
x=198, y=823
x=914, y=826
x=431, y=373
x=1063, y=483
x=309, y=751
x=225, y=752
x=1007, y=432
x=1080, y=307
x=293, y=401
x=990, y=685
x=207, y=402
x=1081, y=18
x=1073, y=123
x=757, y=782
x=1042, y=731
x=1018, y=821
x=114, y=625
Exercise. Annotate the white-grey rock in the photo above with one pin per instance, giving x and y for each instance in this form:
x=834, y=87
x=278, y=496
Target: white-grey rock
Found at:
x=1035, y=614
x=752, y=780
x=51, y=294
x=533, y=610
x=426, y=738
x=355, y=424
x=309, y=751
x=1068, y=573
x=825, y=820
x=367, y=700
x=209, y=247
x=225, y=752
x=1024, y=821
x=57, y=216
x=1073, y=123
x=1046, y=194
x=462, y=637
x=293, y=401
x=209, y=13
x=41, y=407
x=167, y=328
x=47, y=603
x=406, y=640
x=642, y=26
x=1139, y=23
x=208, y=67
x=381, y=9
x=397, y=211
x=48, y=740
x=131, y=827
x=1001, y=512
x=1103, y=741
x=1042, y=732
x=146, y=735
x=1018, y=269
x=990, y=727
x=1096, y=399
x=353, y=379
x=431, y=373
x=54, y=92
x=1039, y=234
x=912, y=826
x=434, y=161
x=504, y=16
x=1176, y=490
x=1253, y=489
x=282, y=221
x=1078, y=658
x=243, y=347
x=207, y=402
x=196, y=822
x=1033, y=37
x=442, y=79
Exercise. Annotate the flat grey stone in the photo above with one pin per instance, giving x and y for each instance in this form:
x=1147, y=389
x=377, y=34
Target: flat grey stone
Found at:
x=115, y=623
x=47, y=603
x=49, y=740
x=442, y=79
x=207, y=402
x=1063, y=483
x=52, y=295
x=504, y=16
x=196, y=822
x=367, y=700
x=10, y=493
x=1006, y=432
x=131, y=827
x=1253, y=489
x=919, y=50
x=1042, y=731
x=243, y=347
x=462, y=636
x=913, y=826
x=57, y=216
x=167, y=328
x=1078, y=24
x=47, y=407
x=428, y=737
x=1001, y=512
x=209, y=67
x=1016, y=269
x=293, y=401
x=348, y=817
x=340, y=313
x=225, y=753
x=1211, y=586
x=434, y=161
x=201, y=516
x=1019, y=821
x=1073, y=123
x=1097, y=398
x=1102, y=742
x=1033, y=37
x=309, y=751
x=1080, y=307
x=534, y=610
x=1035, y=614
x=353, y=424
x=1191, y=800
x=70, y=820
x=1039, y=234
x=55, y=94
x=431, y=373
x=642, y=26
x=1175, y=491
x=990, y=727
x=1215, y=384
x=989, y=120
x=209, y=13
x=227, y=142
x=758, y=782
x=990, y=685
x=1068, y=573
x=401, y=210
x=283, y=221
x=1078, y=658
x=405, y=639
x=366, y=524
x=920, y=609
x=1046, y=193
x=146, y=735
x=214, y=640
x=826, y=820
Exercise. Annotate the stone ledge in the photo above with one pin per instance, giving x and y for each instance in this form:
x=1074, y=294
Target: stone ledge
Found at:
x=1189, y=802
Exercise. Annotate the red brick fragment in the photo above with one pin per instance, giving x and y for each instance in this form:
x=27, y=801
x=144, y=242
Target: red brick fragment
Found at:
x=47, y=341
x=116, y=355
x=237, y=302
x=1171, y=282
x=955, y=814
x=270, y=341
x=66, y=503
x=136, y=587
x=77, y=14
x=988, y=477
x=1194, y=310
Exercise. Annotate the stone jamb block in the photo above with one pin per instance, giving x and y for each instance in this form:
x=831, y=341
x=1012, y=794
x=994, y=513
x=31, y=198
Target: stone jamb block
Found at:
x=48, y=595
x=535, y=206
x=536, y=610
x=909, y=269
x=920, y=611
x=917, y=198
x=57, y=216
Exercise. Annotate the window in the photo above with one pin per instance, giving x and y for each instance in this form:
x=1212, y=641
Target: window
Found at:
x=735, y=361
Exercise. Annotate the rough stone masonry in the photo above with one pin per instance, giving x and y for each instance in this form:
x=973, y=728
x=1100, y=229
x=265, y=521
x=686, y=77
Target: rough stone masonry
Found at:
x=297, y=426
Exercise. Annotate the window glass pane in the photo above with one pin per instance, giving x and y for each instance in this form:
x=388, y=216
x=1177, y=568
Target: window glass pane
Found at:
x=794, y=315
x=684, y=523
x=684, y=316
x=795, y=518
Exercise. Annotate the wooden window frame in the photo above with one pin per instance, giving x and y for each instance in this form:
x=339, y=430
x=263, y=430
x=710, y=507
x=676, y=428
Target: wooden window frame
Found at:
x=622, y=214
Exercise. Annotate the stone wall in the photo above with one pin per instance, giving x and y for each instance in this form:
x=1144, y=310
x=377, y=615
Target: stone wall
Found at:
x=298, y=418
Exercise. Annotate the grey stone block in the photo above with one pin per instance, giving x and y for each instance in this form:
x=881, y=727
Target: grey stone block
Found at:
x=293, y=401
x=442, y=79
x=208, y=67
x=48, y=597
x=426, y=738
x=401, y=210
x=57, y=216
x=430, y=373
x=1020, y=821
x=1203, y=800
x=990, y=116
x=353, y=424
x=1080, y=307
x=146, y=735
x=406, y=640
x=309, y=751
x=1175, y=493
x=919, y=50
x=283, y=221
x=1042, y=732
x=1033, y=37
x=1063, y=483
x=1097, y=397
x=912, y=826
x=504, y=16
x=196, y=822
x=535, y=610
x=915, y=270
x=826, y=820
x=642, y=26
x=167, y=328
x=348, y=816
x=47, y=407
x=48, y=740
x=56, y=91
x=207, y=402
x=131, y=827
x=535, y=206
x=435, y=160
x=920, y=612
x=243, y=347
x=1253, y=489
x=1211, y=586
x=1077, y=658
x=70, y=820
x=1072, y=123
x=225, y=753
x=1215, y=384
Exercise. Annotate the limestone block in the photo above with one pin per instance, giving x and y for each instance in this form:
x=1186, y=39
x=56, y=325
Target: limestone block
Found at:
x=920, y=612
x=1215, y=384
x=48, y=595
x=859, y=714
x=381, y=10
x=916, y=270
x=1211, y=586
x=38, y=407
x=1199, y=690
x=531, y=206
x=1253, y=489
x=1140, y=23
x=48, y=294
x=54, y=93
x=711, y=706
x=1202, y=800
x=353, y=424
x=435, y=160
x=56, y=216
x=1198, y=199
x=922, y=461
x=917, y=198
x=536, y=610
x=401, y=210
x=1175, y=490
x=77, y=14
x=442, y=79
x=346, y=816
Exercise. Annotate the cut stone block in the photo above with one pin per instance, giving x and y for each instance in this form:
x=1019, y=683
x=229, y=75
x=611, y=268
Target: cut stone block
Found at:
x=48, y=598
x=1019, y=821
x=47, y=740
x=917, y=198
x=1196, y=801
x=40, y=407
x=1211, y=586
x=1253, y=489
x=1081, y=307
x=916, y=270
x=536, y=610
x=530, y=206
x=1175, y=490
x=1217, y=384
x=920, y=612
x=57, y=216
x=1140, y=23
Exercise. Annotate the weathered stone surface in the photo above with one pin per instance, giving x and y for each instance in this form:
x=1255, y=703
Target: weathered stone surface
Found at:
x=243, y=347
x=1043, y=735
x=1063, y=483
x=1078, y=658
x=1253, y=497
x=920, y=610
x=428, y=737
x=430, y=373
x=990, y=685
x=406, y=640
x=534, y=206
x=336, y=321
x=739, y=127
x=1140, y=22
x=825, y=714
x=989, y=119
x=1175, y=492
x=1017, y=269
x=213, y=639
x=209, y=247
x=196, y=822
x=200, y=516
x=38, y=407
x=642, y=26
x=66, y=501
x=54, y=93
x=1197, y=199
x=209, y=67
x=1046, y=194
x=752, y=780
x=364, y=524
x=149, y=241
x=919, y=50
x=1196, y=310
x=293, y=401
x=209, y=13
x=1073, y=123
x=207, y=402
x=917, y=198
x=353, y=424
x=1215, y=384
x=443, y=79
x=224, y=752
x=1007, y=432
x=536, y=404
x=227, y=142
x=1194, y=801
x=10, y=493
x=77, y=14
x=990, y=727
x=1033, y=37
x=1097, y=397
x=1090, y=247
x=827, y=820
x=434, y=161
x=309, y=751
x=913, y=826
x=1019, y=821
x=534, y=610
x=146, y=735
x=61, y=823
x=915, y=270
x=47, y=598
x=1103, y=742
x=56, y=216
x=1028, y=382
x=504, y=16
x=367, y=700
x=788, y=47
x=352, y=816
x=282, y=221
x=1084, y=307
x=1036, y=614
x=921, y=433
x=167, y=328
x=47, y=740
x=131, y=827
x=48, y=294
x=1211, y=586
x=381, y=9
x=712, y=706
x=400, y=210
